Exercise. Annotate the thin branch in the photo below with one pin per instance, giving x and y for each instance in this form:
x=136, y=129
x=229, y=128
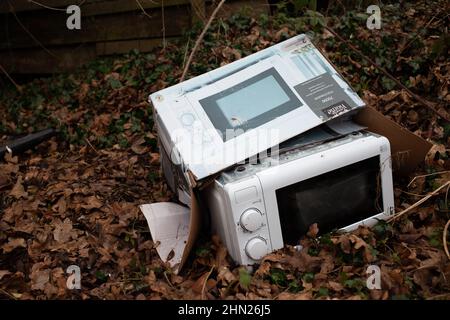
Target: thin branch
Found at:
x=200, y=38
x=53, y=8
x=90, y=145
x=168, y=281
x=444, y=115
x=7, y=294
x=444, y=239
x=206, y=280
x=198, y=8
x=418, y=203
x=143, y=10
x=426, y=175
x=186, y=52
x=45, y=6
x=443, y=296
x=19, y=88
x=163, y=25
x=29, y=33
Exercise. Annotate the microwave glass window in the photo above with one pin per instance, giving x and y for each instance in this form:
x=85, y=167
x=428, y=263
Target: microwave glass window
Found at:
x=250, y=104
x=332, y=200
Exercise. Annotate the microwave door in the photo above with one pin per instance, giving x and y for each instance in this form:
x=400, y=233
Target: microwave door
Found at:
x=333, y=200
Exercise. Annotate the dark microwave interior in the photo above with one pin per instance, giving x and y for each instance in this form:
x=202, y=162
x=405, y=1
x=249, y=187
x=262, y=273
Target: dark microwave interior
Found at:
x=333, y=200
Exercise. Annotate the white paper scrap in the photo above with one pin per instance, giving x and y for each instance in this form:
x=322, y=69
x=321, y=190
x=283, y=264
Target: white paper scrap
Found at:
x=169, y=225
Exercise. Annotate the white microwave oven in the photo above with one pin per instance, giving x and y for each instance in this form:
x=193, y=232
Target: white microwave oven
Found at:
x=339, y=184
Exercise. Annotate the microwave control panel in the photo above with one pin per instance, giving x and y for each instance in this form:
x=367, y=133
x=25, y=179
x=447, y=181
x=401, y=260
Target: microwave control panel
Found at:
x=245, y=171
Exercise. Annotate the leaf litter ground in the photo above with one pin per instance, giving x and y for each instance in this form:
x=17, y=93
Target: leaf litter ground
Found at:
x=74, y=199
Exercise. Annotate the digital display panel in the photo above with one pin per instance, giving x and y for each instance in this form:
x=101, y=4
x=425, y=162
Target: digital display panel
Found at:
x=250, y=104
x=252, y=101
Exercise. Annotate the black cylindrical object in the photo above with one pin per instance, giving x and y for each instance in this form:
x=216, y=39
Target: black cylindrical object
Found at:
x=22, y=144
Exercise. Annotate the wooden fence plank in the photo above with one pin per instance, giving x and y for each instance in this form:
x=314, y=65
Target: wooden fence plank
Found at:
x=107, y=27
x=125, y=46
x=40, y=62
x=121, y=26
x=90, y=7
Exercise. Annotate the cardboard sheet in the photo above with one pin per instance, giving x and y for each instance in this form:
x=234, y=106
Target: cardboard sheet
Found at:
x=407, y=149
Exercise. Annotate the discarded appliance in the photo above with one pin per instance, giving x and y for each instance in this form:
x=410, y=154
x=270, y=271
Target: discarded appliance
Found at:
x=342, y=183
x=208, y=123
x=326, y=169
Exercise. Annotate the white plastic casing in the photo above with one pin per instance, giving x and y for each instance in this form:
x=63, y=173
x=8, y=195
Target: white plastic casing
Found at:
x=237, y=196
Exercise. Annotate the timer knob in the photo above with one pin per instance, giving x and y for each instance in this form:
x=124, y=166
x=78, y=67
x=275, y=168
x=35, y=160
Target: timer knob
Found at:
x=187, y=119
x=251, y=220
x=256, y=248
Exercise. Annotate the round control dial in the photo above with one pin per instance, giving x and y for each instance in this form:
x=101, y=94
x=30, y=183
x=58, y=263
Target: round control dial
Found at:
x=251, y=220
x=256, y=248
x=187, y=119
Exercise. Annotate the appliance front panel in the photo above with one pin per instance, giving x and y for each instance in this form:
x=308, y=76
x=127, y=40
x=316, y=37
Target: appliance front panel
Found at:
x=286, y=181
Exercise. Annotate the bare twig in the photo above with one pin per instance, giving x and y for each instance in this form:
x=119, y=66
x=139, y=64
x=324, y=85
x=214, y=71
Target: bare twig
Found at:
x=53, y=8
x=19, y=88
x=446, y=198
x=413, y=194
x=199, y=10
x=45, y=6
x=143, y=10
x=430, y=105
x=186, y=52
x=206, y=280
x=426, y=175
x=444, y=239
x=7, y=294
x=90, y=145
x=199, y=39
x=13, y=11
x=168, y=281
x=443, y=296
x=418, y=203
x=163, y=25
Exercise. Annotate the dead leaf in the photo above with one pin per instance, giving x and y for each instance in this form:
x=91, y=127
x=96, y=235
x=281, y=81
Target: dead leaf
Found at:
x=39, y=277
x=225, y=275
x=18, y=190
x=313, y=230
x=357, y=241
x=302, y=261
x=10, y=159
x=422, y=277
x=84, y=89
x=197, y=287
x=4, y=273
x=13, y=243
x=13, y=212
x=63, y=231
x=295, y=296
x=336, y=286
x=138, y=146
x=92, y=203
x=154, y=158
x=140, y=296
x=327, y=264
x=344, y=242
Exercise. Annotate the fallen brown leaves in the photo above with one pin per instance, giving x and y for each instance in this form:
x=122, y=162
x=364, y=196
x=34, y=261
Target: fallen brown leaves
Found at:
x=69, y=203
x=76, y=208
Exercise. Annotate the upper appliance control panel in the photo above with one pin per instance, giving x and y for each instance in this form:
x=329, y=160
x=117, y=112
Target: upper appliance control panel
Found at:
x=234, y=112
x=248, y=170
